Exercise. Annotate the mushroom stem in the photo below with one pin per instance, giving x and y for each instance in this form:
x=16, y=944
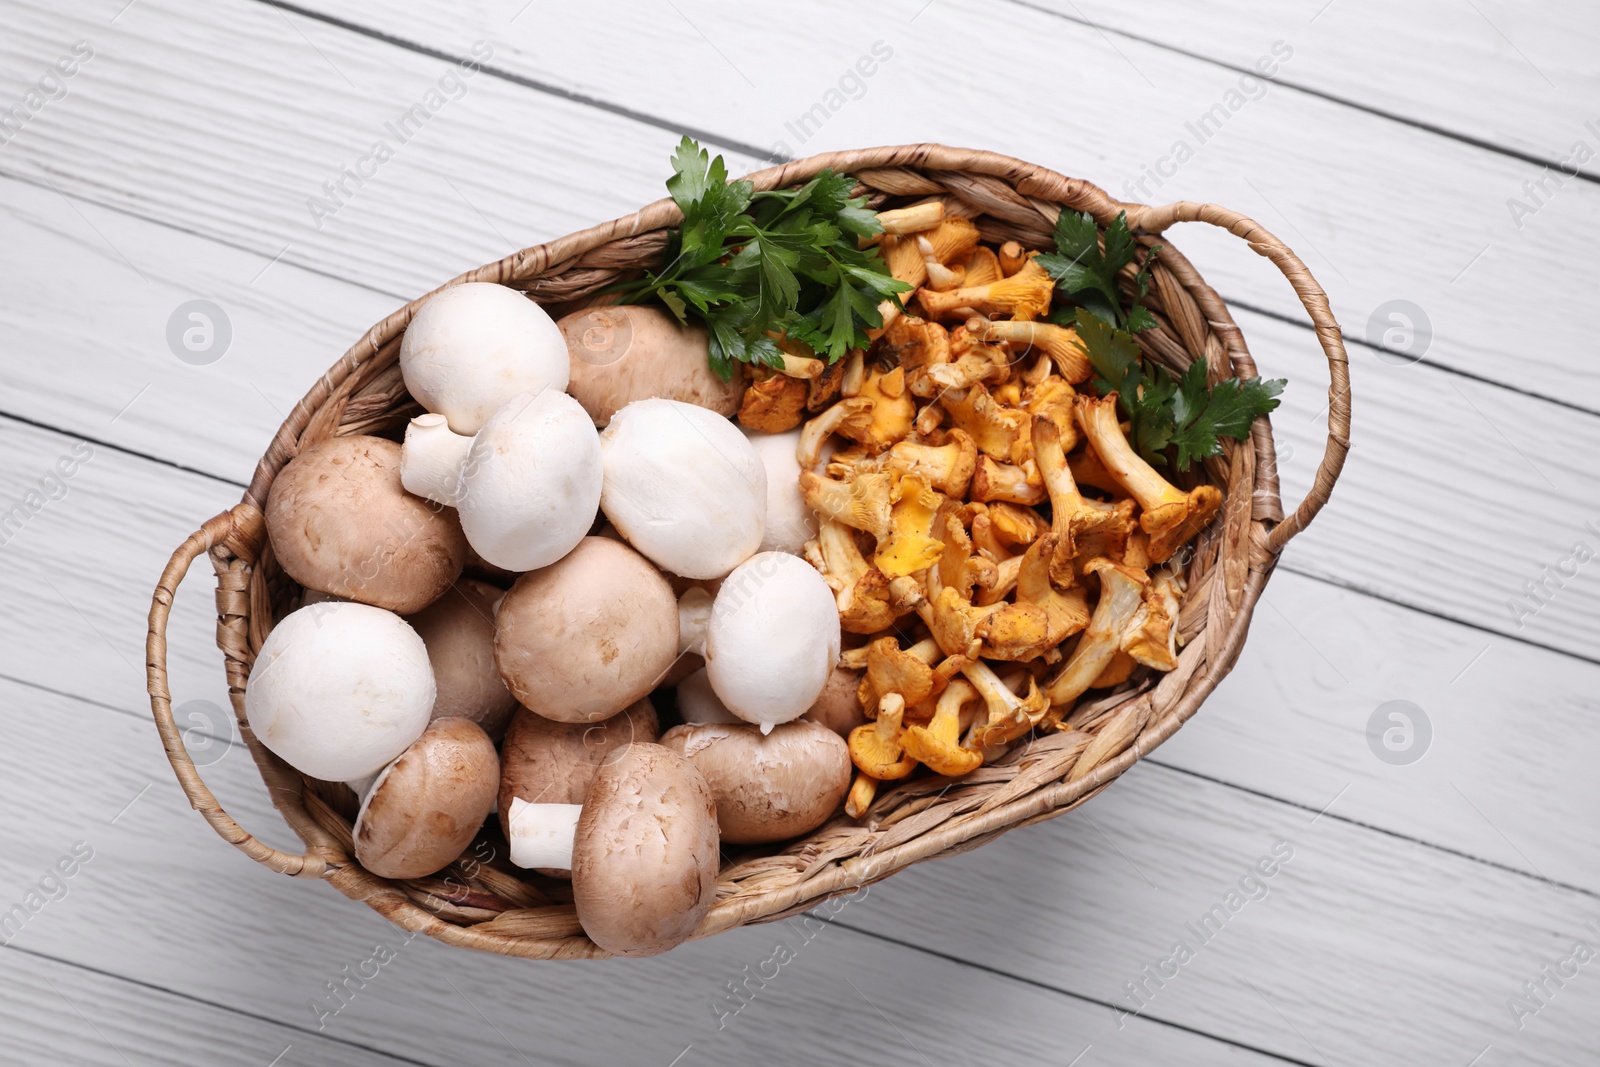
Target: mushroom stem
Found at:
x=912, y=219
x=694, y=613
x=1121, y=596
x=432, y=458
x=1060, y=343
x=1170, y=516
x=1010, y=716
x=1082, y=532
x=802, y=366
x=542, y=835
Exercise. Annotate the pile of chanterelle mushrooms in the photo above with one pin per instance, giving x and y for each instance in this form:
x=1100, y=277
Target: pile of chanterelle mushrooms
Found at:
x=575, y=545
x=986, y=527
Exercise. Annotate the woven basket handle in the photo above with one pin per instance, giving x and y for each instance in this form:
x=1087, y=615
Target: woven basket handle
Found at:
x=200, y=796
x=1315, y=301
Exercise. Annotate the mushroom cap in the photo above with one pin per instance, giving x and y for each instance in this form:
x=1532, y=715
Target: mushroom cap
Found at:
x=684, y=486
x=474, y=346
x=339, y=690
x=458, y=629
x=790, y=521
x=628, y=352
x=645, y=855
x=547, y=762
x=767, y=788
x=582, y=639
x=341, y=523
x=837, y=707
x=426, y=806
x=773, y=638
x=530, y=486
x=699, y=703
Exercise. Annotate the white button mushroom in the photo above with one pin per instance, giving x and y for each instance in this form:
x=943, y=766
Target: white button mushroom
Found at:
x=684, y=486
x=458, y=629
x=474, y=346
x=772, y=639
x=341, y=523
x=582, y=639
x=527, y=485
x=767, y=788
x=790, y=520
x=642, y=849
x=339, y=690
x=628, y=352
x=424, y=808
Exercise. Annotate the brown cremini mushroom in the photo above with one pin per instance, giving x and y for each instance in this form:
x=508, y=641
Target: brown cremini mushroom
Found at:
x=549, y=762
x=642, y=849
x=341, y=523
x=423, y=810
x=458, y=629
x=837, y=707
x=628, y=352
x=582, y=639
x=767, y=788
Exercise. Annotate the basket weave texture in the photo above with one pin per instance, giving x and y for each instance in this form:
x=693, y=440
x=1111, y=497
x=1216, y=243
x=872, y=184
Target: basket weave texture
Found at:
x=483, y=903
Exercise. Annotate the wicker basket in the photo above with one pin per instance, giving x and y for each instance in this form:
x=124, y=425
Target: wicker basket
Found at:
x=483, y=903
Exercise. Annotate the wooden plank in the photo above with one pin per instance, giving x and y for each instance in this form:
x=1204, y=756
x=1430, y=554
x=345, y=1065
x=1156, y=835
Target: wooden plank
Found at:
x=445, y=193
x=51, y=1012
x=1361, y=948
x=111, y=376
x=108, y=372
x=1497, y=732
x=1268, y=157
x=187, y=909
x=1428, y=62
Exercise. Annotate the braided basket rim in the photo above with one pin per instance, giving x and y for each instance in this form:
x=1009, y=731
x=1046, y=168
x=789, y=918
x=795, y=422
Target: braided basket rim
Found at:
x=488, y=909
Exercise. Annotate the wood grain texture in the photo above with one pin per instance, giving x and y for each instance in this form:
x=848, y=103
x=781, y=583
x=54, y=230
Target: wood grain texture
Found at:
x=269, y=945
x=1380, y=210
x=1511, y=75
x=313, y=108
x=52, y=1012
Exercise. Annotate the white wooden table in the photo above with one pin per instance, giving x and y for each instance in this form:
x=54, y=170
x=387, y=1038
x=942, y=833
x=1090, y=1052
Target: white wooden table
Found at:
x=1432, y=161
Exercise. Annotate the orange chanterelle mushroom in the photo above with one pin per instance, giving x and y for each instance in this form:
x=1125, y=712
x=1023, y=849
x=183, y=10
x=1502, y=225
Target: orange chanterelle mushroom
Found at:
x=995, y=546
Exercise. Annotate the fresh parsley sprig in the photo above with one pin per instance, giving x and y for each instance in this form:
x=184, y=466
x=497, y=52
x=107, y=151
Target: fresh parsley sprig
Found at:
x=1165, y=413
x=785, y=261
x=1087, y=273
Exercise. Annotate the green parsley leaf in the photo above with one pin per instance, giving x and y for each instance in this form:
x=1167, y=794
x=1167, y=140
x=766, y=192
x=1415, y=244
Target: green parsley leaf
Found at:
x=781, y=261
x=1083, y=270
x=1203, y=415
x=1163, y=411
